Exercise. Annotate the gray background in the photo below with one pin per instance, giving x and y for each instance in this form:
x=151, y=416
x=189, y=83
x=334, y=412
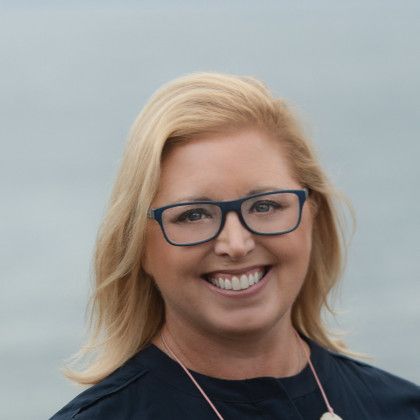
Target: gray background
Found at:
x=75, y=74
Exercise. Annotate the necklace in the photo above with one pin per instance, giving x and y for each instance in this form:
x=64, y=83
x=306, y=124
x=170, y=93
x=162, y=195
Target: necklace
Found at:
x=329, y=415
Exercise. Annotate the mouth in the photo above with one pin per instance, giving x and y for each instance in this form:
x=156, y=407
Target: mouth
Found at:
x=238, y=280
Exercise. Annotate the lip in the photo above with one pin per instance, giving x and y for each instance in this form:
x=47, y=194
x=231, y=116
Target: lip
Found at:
x=238, y=294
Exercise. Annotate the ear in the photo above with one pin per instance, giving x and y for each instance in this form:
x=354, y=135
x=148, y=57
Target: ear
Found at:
x=145, y=263
x=313, y=204
x=312, y=208
x=145, y=260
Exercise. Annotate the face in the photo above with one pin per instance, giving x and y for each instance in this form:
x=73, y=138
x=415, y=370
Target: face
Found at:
x=226, y=167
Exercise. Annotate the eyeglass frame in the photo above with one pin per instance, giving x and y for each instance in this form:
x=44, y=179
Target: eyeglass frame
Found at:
x=227, y=207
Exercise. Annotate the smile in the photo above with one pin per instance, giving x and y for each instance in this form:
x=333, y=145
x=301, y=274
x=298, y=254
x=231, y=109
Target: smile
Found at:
x=237, y=281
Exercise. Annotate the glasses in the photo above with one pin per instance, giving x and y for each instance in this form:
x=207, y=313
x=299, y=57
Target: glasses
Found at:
x=196, y=222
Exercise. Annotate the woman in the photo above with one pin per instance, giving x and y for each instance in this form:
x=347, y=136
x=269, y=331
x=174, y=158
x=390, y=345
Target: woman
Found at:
x=213, y=264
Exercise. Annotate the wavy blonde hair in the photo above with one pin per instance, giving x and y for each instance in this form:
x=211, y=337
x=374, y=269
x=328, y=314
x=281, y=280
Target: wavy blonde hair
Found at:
x=126, y=310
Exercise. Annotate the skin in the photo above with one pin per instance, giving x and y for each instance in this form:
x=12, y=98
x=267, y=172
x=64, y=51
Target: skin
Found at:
x=216, y=335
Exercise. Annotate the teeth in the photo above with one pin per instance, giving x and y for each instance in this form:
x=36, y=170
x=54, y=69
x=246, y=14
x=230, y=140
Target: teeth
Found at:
x=238, y=282
x=244, y=282
x=236, y=285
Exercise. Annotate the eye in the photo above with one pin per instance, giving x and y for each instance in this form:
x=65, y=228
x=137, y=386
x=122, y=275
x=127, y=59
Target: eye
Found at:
x=264, y=206
x=193, y=215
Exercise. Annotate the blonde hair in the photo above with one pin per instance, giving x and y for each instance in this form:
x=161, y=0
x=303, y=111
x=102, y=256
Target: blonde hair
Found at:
x=126, y=309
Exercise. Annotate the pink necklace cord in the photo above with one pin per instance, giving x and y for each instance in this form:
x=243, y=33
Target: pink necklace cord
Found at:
x=324, y=395
x=192, y=378
x=308, y=358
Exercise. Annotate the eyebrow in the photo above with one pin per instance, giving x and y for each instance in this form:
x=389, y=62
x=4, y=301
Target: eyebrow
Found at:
x=249, y=193
x=265, y=189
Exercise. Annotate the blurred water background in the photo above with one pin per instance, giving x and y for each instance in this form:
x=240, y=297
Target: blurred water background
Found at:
x=74, y=74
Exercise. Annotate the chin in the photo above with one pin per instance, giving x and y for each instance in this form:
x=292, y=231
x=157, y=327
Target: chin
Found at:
x=248, y=326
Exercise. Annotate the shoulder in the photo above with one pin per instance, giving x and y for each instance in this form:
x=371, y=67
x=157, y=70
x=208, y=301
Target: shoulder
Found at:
x=369, y=374
x=376, y=384
x=102, y=400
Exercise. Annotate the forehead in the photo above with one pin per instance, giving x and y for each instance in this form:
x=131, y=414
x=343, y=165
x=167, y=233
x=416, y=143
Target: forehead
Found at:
x=224, y=166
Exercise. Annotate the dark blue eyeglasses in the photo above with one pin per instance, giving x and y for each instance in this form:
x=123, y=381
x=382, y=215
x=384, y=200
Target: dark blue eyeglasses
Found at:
x=196, y=222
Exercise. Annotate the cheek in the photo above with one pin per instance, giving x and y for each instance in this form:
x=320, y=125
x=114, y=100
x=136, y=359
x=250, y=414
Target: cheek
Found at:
x=158, y=258
x=292, y=247
x=297, y=244
x=169, y=264
x=292, y=252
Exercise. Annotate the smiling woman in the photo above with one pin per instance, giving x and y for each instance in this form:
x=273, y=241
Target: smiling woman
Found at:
x=213, y=265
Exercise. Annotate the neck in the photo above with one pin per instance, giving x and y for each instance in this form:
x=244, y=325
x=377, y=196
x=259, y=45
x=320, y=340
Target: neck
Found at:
x=276, y=353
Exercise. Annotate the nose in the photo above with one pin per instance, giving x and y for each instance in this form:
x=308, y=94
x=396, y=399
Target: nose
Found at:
x=234, y=241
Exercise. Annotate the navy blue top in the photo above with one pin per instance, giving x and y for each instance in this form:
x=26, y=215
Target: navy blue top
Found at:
x=151, y=386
